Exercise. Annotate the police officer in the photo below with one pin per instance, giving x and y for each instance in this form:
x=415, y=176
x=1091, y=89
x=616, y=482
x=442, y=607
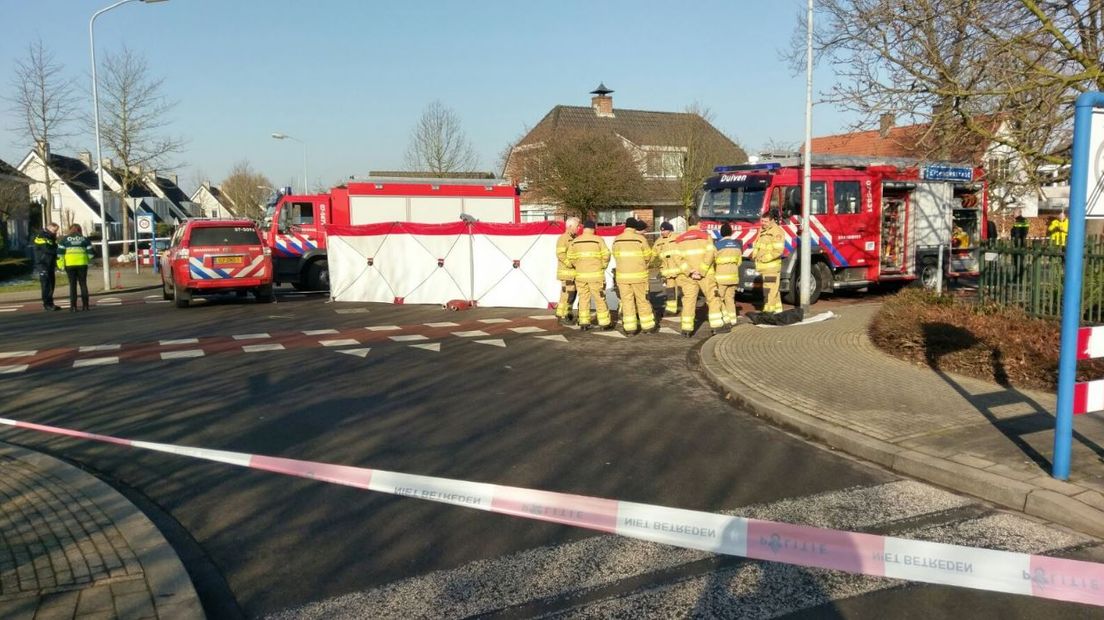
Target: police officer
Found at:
x=767, y=254
x=45, y=263
x=632, y=254
x=588, y=255
x=75, y=252
x=696, y=255
x=1020, y=228
x=665, y=252
x=565, y=274
x=730, y=252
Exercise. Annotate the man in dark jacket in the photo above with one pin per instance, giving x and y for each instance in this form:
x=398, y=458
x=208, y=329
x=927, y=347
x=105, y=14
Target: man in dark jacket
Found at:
x=45, y=263
x=1020, y=228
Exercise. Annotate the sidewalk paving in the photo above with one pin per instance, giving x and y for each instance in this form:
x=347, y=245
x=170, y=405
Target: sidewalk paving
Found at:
x=827, y=381
x=123, y=279
x=73, y=547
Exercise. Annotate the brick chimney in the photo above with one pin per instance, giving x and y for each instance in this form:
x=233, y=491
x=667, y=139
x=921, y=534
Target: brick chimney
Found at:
x=86, y=158
x=601, y=102
x=885, y=123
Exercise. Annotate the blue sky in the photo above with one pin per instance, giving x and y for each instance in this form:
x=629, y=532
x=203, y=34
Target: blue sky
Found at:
x=351, y=77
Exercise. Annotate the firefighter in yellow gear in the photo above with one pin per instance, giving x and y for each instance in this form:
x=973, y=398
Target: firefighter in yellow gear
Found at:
x=632, y=254
x=666, y=254
x=696, y=273
x=588, y=256
x=730, y=253
x=1058, y=230
x=767, y=254
x=565, y=274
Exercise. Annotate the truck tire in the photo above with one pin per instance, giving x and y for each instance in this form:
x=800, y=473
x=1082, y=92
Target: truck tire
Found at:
x=265, y=294
x=181, y=296
x=318, y=275
x=928, y=275
x=793, y=296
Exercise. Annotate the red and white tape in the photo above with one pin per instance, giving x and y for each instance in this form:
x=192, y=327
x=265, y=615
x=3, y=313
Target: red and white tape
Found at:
x=864, y=554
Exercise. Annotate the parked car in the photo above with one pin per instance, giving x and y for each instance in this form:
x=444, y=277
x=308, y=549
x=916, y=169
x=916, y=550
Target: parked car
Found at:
x=213, y=256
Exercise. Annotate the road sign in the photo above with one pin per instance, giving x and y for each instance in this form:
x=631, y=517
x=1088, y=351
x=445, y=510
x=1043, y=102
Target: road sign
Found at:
x=145, y=224
x=1094, y=202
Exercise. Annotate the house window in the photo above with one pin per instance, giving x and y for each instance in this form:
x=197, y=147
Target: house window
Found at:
x=613, y=217
x=999, y=168
x=847, y=197
x=664, y=164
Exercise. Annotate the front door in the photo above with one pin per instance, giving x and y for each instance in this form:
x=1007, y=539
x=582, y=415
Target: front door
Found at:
x=856, y=219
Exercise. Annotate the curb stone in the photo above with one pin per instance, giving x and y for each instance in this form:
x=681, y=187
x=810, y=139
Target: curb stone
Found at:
x=1002, y=490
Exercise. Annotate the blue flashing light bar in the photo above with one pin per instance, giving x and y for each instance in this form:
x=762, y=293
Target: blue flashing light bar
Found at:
x=773, y=166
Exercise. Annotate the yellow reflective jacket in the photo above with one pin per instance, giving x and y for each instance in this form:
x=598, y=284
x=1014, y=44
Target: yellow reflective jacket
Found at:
x=730, y=252
x=768, y=248
x=696, y=252
x=666, y=253
x=632, y=255
x=588, y=255
x=1058, y=231
x=563, y=272
x=74, y=251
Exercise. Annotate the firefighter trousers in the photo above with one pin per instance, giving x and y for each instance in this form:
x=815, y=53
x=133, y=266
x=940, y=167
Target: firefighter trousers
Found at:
x=597, y=291
x=772, y=280
x=567, y=298
x=690, y=288
x=634, y=305
x=727, y=294
x=670, y=286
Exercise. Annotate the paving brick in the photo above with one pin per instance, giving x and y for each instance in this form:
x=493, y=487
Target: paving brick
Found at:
x=57, y=605
x=98, y=598
x=1092, y=498
x=129, y=586
x=19, y=609
x=134, y=606
x=1058, y=486
x=972, y=461
x=1066, y=510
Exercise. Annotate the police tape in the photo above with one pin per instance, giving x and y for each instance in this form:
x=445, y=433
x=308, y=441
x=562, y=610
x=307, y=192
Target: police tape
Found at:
x=863, y=554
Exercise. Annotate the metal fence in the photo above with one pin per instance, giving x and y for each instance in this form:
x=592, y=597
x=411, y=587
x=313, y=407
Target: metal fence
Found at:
x=1031, y=276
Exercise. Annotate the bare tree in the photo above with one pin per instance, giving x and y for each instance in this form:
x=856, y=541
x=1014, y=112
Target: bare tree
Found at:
x=581, y=172
x=247, y=189
x=438, y=143
x=774, y=146
x=133, y=117
x=41, y=98
x=702, y=148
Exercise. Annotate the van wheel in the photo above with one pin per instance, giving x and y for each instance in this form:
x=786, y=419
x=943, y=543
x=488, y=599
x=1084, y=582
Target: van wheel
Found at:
x=166, y=293
x=181, y=296
x=265, y=294
x=318, y=275
x=793, y=296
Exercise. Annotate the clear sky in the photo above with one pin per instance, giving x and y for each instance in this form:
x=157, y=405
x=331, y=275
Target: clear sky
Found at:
x=351, y=77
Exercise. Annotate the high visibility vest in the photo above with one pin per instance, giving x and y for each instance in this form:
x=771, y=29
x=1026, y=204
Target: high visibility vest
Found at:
x=667, y=253
x=1058, y=231
x=696, y=252
x=730, y=252
x=588, y=255
x=632, y=254
x=563, y=272
x=74, y=251
x=768, y=248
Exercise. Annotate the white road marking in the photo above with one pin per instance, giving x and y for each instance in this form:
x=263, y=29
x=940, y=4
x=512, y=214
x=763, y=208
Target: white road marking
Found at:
x=159, y=301
x=352, y=311
x=340, y=342
x=318, y=332
x=544, y=317
x=442, y=324
x=554, y=338
x=173, y=355
x=257, y=348
x=613, y=333
x=152, y=297
x=667, y=330
x=498, y=342
x=95, y=361
x=99, y=347
x=383, y=328
x=111, y=300
x=11, y=369
x=10, y=309
x=109, y=303
x=357, y=352
x=471, y=334
x=4, y=354
x=673, y=319
x=408, y=338
x=433, y=346
x=166, y=343
x=251, y=336
x=527, y=330
x=494, y=320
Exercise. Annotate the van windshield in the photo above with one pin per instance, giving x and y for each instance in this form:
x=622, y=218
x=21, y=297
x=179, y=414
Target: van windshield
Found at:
x=224, y=235
x=735, y=203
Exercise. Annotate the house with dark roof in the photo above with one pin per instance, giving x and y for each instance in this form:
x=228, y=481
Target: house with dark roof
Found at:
x=165, y=186
x=74, y=189
x=15, y=201
x=212, y=202
x=658, y=141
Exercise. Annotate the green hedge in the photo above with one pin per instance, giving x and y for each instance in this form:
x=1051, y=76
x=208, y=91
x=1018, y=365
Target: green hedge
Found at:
x=12, y=268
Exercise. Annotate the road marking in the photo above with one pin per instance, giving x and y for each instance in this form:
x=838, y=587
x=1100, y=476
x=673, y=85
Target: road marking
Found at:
x=433, y=346
x=357, y=352
x=166, y=343
x=111, y=299
x=95, y=361
x=554, y=338
x=494, y=320
x=613, y=333
x=527, y=330
x=257, y=348
x=544, y=317
x=251, y=336
x=471, y=334
x=667, y=330
x=159, y=301
x=673, y=319
x=319, y=332
x=99, y=347
x=109, y=303
x=173, y=355
x=152, y=297
x=383, y=328
x=408, y=338
x=442, y=324
x=340, y=342
x=10, y=309
x=5, y=370
x=5, y=354
x=495, y=343
x=352, y=311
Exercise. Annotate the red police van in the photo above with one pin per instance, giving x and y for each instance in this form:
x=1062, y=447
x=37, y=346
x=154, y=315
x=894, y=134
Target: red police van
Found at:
x=212, y=256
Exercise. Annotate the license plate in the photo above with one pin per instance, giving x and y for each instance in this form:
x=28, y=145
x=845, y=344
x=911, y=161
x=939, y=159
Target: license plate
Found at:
x=228, y=260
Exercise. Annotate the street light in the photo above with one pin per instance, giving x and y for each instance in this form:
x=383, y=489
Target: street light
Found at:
x=284, y=136
x=99, y=155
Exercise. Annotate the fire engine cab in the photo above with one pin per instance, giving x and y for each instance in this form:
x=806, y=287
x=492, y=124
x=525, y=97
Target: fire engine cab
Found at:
x=871, y=220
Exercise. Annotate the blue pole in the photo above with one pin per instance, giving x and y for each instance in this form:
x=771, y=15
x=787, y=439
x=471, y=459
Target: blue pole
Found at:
x=1071, y=287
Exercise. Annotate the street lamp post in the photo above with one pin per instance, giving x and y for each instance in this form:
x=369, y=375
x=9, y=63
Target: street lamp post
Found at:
x=284, y=136
x=99, y=154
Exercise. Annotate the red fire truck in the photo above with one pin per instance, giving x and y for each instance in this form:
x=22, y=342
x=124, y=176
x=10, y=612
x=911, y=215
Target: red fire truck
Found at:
x=295, y=225
x=871, y=220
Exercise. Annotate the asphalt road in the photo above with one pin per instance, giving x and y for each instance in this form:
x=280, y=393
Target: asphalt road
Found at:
x=499, y=397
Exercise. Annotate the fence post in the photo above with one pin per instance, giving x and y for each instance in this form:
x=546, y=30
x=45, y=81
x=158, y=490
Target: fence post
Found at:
x=1036, y=281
